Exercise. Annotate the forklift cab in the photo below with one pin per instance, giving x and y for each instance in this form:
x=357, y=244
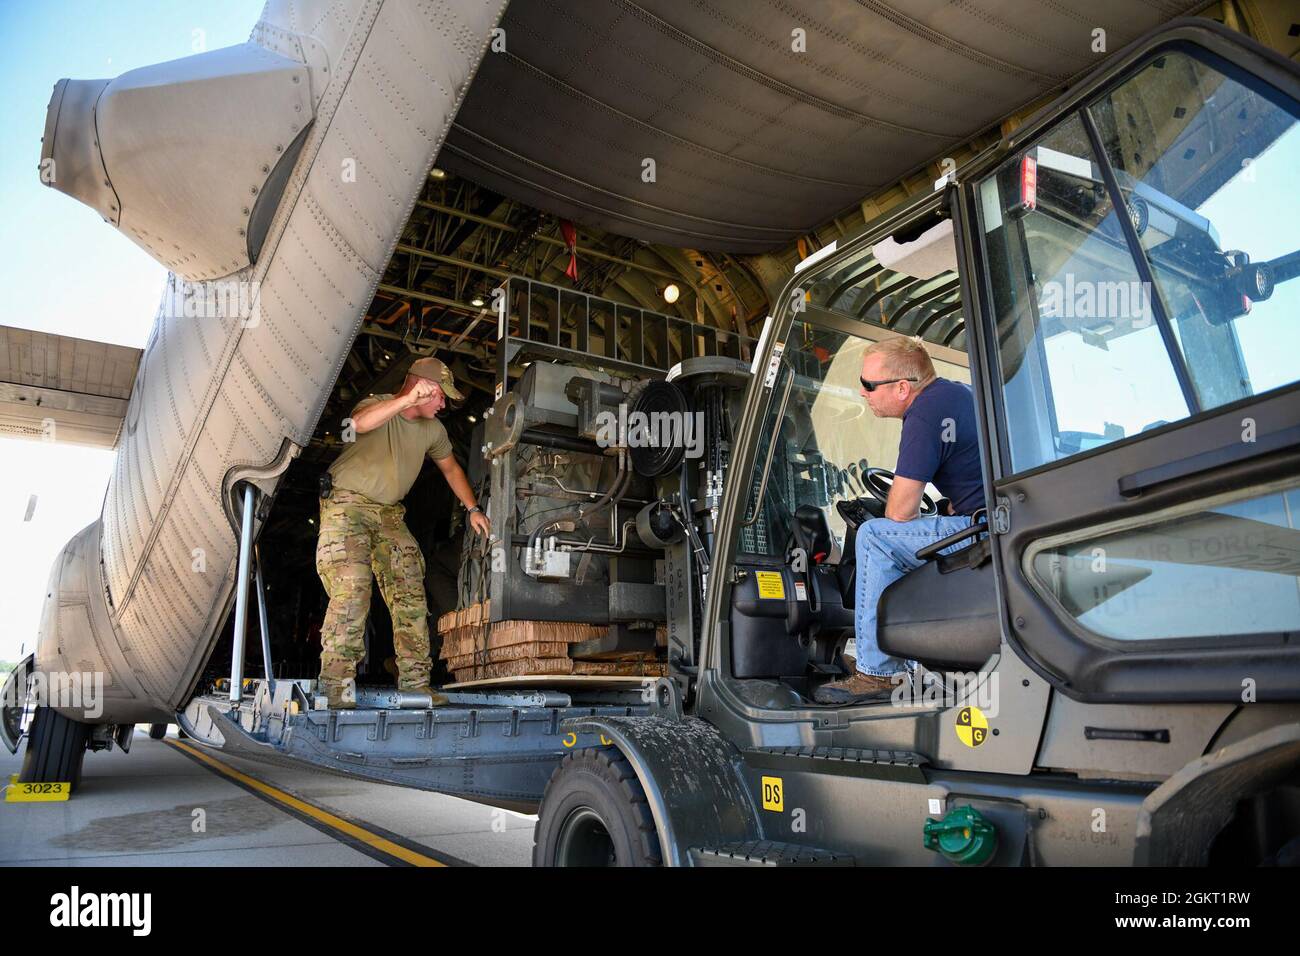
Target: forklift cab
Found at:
x=1115, y=282
x=825, y=468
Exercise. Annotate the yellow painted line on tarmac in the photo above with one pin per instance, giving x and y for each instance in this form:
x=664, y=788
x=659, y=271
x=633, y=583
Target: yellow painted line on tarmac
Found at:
x=300, y=807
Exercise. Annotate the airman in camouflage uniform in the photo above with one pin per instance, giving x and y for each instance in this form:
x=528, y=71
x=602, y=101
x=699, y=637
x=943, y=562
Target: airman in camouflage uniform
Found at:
x=362, y=531
x=358, y=536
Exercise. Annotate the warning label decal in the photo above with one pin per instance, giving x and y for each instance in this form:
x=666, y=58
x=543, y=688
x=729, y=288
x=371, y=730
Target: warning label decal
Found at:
x=770, y=584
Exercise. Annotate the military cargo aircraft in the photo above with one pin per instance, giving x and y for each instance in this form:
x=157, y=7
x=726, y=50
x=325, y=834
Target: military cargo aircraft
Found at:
x=712, y=208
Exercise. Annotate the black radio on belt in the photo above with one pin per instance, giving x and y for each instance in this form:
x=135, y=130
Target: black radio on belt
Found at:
x=326, y=484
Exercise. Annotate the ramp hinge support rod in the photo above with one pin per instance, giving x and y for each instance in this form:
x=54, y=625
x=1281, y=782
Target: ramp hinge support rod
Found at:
x=241, y=595
x=261, y=619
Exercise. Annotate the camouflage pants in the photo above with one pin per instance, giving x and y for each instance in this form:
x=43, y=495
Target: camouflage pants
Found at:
x=358, y=535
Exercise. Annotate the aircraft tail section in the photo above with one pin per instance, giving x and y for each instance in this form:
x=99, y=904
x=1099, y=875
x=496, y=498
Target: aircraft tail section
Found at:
x=273, y=179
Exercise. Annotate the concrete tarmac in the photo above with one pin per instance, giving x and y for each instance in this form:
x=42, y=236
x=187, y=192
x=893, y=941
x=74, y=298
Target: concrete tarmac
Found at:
x=161, y=805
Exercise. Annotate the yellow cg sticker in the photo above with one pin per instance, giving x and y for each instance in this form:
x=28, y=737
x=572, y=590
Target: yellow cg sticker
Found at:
x=972, y=726
x=770, y=584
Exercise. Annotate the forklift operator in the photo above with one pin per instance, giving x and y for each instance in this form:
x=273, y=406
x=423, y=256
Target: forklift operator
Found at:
x=361, y=530
x=938, y=445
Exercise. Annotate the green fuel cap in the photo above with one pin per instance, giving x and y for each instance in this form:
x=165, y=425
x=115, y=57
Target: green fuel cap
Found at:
x=963, y=836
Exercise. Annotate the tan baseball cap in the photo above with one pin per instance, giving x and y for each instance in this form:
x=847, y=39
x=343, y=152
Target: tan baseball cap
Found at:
x=435, y=371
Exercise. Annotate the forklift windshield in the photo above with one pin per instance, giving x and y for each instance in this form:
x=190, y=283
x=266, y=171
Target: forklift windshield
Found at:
x=1140, y=263
x=821, y=436
x=1112, y=325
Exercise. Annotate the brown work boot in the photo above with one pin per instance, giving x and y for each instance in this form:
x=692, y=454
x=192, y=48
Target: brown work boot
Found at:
x=855, y=689
x=437, y=699
x=338, y=695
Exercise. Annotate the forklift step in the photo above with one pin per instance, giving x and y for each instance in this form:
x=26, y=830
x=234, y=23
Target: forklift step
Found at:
x=768, y=853
x=878, y=764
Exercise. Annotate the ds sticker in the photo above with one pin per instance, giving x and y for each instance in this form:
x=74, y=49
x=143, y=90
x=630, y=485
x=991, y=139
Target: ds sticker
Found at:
x=773, y=798
x=972, y=726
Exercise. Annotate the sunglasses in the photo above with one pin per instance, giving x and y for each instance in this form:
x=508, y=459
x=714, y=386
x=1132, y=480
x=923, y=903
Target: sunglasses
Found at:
x=872, y=386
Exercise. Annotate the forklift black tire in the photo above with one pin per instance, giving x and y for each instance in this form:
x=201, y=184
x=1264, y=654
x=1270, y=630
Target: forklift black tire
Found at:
x=157, y=731
x=56, y=748
x=595, y=813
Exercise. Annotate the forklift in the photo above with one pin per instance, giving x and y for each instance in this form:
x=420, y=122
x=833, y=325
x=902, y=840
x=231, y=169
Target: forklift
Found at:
x=1109, y=665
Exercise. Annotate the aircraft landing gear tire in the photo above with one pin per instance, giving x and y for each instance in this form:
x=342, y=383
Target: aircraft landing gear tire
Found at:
x=594, y=813
x=157, y=731
x=56, y=749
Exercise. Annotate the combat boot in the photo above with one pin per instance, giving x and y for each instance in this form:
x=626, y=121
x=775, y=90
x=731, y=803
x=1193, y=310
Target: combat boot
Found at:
x=856, y=688
x=436, y=699
x=339, y=696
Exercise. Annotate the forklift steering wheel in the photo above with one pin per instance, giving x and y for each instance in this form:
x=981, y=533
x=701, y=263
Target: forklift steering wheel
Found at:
x=878, y=481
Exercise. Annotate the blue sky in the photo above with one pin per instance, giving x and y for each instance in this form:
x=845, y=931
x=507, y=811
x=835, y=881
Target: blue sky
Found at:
x=95, y=283
x=63, y=269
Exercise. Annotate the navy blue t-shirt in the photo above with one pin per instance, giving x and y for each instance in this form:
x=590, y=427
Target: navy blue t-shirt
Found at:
x=939, y=444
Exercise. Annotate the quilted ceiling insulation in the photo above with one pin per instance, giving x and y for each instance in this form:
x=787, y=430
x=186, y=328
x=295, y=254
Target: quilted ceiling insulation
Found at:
x=757, y=132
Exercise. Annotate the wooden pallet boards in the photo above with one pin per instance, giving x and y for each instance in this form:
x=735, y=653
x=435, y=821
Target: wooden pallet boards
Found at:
x=476, y=649
x=474, y=614
x=497, y=655
x=558, y=666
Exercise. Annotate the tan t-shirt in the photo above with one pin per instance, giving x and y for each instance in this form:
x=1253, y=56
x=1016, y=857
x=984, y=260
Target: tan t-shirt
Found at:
x=383, y=464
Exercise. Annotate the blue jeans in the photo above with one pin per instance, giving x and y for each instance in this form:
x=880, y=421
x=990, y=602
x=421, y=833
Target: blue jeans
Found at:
x=886, y=551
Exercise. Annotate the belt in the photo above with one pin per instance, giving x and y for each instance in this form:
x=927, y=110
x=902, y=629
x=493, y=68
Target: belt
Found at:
x=355, y=497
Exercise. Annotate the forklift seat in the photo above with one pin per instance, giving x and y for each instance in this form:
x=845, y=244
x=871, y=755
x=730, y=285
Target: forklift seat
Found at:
x=944, y=614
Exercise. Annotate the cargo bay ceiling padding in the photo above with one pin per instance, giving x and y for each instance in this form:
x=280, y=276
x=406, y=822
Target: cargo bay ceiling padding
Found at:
x=222, y=394
x=754, y=141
